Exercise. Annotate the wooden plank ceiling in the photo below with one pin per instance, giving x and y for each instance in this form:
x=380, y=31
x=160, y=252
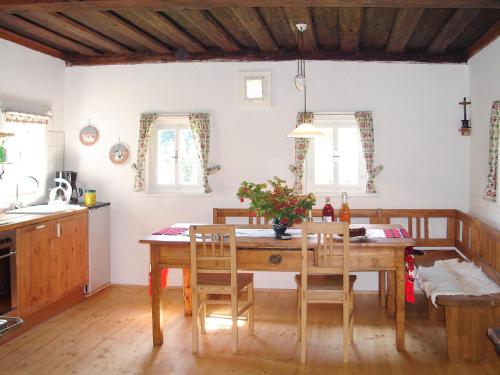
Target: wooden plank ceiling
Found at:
x=133, y=31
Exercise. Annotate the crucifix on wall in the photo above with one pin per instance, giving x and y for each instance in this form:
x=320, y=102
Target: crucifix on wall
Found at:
x=465, y=128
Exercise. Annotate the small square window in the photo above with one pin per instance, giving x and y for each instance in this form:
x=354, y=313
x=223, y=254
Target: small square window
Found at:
x=255, y=89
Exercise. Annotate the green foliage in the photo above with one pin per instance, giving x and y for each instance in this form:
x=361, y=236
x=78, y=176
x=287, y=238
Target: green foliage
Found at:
x=276, y=201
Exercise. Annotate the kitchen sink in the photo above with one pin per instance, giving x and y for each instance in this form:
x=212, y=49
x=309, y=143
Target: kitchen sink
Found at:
x=45, y=209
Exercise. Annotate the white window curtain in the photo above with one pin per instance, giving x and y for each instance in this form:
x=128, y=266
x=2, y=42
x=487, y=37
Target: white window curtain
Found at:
x=301, y=147
x=490, y=192
x=200, y=127
x=147, y=119
x=365, y=123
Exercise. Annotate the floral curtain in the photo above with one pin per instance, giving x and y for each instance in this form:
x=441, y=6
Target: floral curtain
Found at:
x=301, y=147
x=490, y=192
x=201, y=133
x=365, y=123
x=147, y=119
x=25, y=118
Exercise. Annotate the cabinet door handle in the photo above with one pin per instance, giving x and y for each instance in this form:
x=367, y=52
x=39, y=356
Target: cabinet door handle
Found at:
x=58, y=230
x=40, y=227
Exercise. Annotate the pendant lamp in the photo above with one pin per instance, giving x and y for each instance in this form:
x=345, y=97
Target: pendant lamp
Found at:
x=304, y=130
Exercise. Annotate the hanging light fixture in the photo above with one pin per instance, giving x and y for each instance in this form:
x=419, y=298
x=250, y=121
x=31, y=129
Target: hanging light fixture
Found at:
x=304, y=130
x=300, y=77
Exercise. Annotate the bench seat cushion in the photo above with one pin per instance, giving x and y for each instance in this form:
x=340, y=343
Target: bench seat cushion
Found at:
x=454, y=278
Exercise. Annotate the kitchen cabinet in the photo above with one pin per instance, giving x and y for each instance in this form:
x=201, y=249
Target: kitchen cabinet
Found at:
x=69, y=246
x=52, y=261
x=35, y=274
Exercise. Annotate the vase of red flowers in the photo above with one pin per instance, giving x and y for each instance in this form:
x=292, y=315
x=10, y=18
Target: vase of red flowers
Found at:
x=277, y=202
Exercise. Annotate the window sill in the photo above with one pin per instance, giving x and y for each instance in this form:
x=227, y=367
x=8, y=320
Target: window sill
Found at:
x=177, y=193
x=350, y=195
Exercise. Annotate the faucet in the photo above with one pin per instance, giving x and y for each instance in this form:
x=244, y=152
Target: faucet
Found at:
x=18, y=204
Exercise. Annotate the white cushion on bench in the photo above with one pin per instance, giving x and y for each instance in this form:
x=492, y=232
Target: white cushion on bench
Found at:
x=452, y=278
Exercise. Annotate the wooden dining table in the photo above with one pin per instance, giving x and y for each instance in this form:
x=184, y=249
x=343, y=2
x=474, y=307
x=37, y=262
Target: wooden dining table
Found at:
x=274, y=255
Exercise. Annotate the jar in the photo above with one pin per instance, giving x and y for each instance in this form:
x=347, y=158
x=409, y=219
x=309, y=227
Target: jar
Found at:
x=90, y=198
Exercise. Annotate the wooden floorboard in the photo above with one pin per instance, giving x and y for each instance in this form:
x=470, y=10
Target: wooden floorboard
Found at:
x=110, y=333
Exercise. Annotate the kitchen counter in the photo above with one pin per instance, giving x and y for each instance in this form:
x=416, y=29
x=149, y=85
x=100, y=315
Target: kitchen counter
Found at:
x=97, y=205
x=14, y=221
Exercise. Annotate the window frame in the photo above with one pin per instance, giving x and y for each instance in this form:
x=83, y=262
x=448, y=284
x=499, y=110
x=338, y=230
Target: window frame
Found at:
x=266, y=78
x=175, y=123
x=334, y=120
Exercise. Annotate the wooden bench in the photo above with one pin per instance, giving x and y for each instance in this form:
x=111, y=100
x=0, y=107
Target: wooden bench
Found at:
x=466, y=317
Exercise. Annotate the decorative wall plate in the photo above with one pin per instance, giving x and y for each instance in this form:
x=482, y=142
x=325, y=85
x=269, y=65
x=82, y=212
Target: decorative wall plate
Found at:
x=89, y=135
x=119, y=153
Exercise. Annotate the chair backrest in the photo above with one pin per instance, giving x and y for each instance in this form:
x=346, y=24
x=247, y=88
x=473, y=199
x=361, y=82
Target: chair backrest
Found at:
x=329, y=257
x=213, y=250
x=221, y=215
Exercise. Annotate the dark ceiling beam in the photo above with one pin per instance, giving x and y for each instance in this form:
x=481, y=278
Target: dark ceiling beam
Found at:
x=165, y=26
x=134, y=33
x=212, y=30
x=77, y=30
x=159, y=5
x=404, y=26
x=302, y=15
x=253, y=23
x=138, y=58
x=50, y=36
x=491, y=35
x=29, y=43
x=456, y=24
x=350, y=28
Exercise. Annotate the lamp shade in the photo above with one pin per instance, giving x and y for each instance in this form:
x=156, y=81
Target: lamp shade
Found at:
x=306, y=130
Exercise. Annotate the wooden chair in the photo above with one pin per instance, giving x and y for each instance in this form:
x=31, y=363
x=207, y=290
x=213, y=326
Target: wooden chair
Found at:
x=214, y=272
x=327, y=279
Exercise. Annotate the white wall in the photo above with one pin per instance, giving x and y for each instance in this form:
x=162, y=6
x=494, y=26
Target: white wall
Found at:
x=484, y=76
x=31, y=81
x=426, y=161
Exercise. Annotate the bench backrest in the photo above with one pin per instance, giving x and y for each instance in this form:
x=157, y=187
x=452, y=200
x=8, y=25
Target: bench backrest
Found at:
x=475, y=239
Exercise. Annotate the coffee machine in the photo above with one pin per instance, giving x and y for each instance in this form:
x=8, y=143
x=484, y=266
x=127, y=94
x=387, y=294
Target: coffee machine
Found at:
x=70, y=176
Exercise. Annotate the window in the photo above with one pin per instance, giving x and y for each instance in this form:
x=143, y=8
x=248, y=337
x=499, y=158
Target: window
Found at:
x=255, y=89
x=335, y=163
x=26, y=167
x=173, y=163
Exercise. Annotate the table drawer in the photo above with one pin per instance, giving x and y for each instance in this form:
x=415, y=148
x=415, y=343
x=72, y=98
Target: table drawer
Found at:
x=269, y=260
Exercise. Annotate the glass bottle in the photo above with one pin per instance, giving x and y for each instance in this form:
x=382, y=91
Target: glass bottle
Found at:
x=345, y=213
x=328, y=213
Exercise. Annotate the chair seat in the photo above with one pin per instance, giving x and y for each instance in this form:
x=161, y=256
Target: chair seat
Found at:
x=224, y=280
x=325, y=282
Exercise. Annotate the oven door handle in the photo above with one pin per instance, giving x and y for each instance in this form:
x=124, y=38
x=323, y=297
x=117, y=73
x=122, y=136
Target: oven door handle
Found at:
x=8, y=255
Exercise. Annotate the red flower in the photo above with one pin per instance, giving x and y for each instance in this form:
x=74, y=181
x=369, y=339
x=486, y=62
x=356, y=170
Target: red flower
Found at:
x=284, y=220
x=241, y=199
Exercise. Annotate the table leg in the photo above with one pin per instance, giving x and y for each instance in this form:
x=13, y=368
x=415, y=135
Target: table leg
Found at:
x=381, y=287
x=400, y=306
x=391, y=292
x=156, y=300
x=186, y=291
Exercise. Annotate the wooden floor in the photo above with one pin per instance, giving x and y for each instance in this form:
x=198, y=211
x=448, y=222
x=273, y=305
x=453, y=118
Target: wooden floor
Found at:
x=110, y=333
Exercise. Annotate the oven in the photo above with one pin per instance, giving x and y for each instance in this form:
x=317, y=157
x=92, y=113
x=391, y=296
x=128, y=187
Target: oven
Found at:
x=8, y=286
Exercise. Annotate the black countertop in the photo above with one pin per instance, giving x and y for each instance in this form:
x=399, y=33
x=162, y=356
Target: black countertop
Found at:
x=97, y=205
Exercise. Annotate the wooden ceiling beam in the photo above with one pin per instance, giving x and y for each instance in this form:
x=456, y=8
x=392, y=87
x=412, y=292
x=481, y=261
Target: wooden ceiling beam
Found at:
x=290, y=55
x=253, y=23
x=134, y=33
x=165, y=26
x=208, y=26
x=76, y=29
x=29, y=43
x=404, y=26
x=491, y=35
x=450, y=31
x=48, y=35
x=350, y=28
x=302, y=15
x=159, y=5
